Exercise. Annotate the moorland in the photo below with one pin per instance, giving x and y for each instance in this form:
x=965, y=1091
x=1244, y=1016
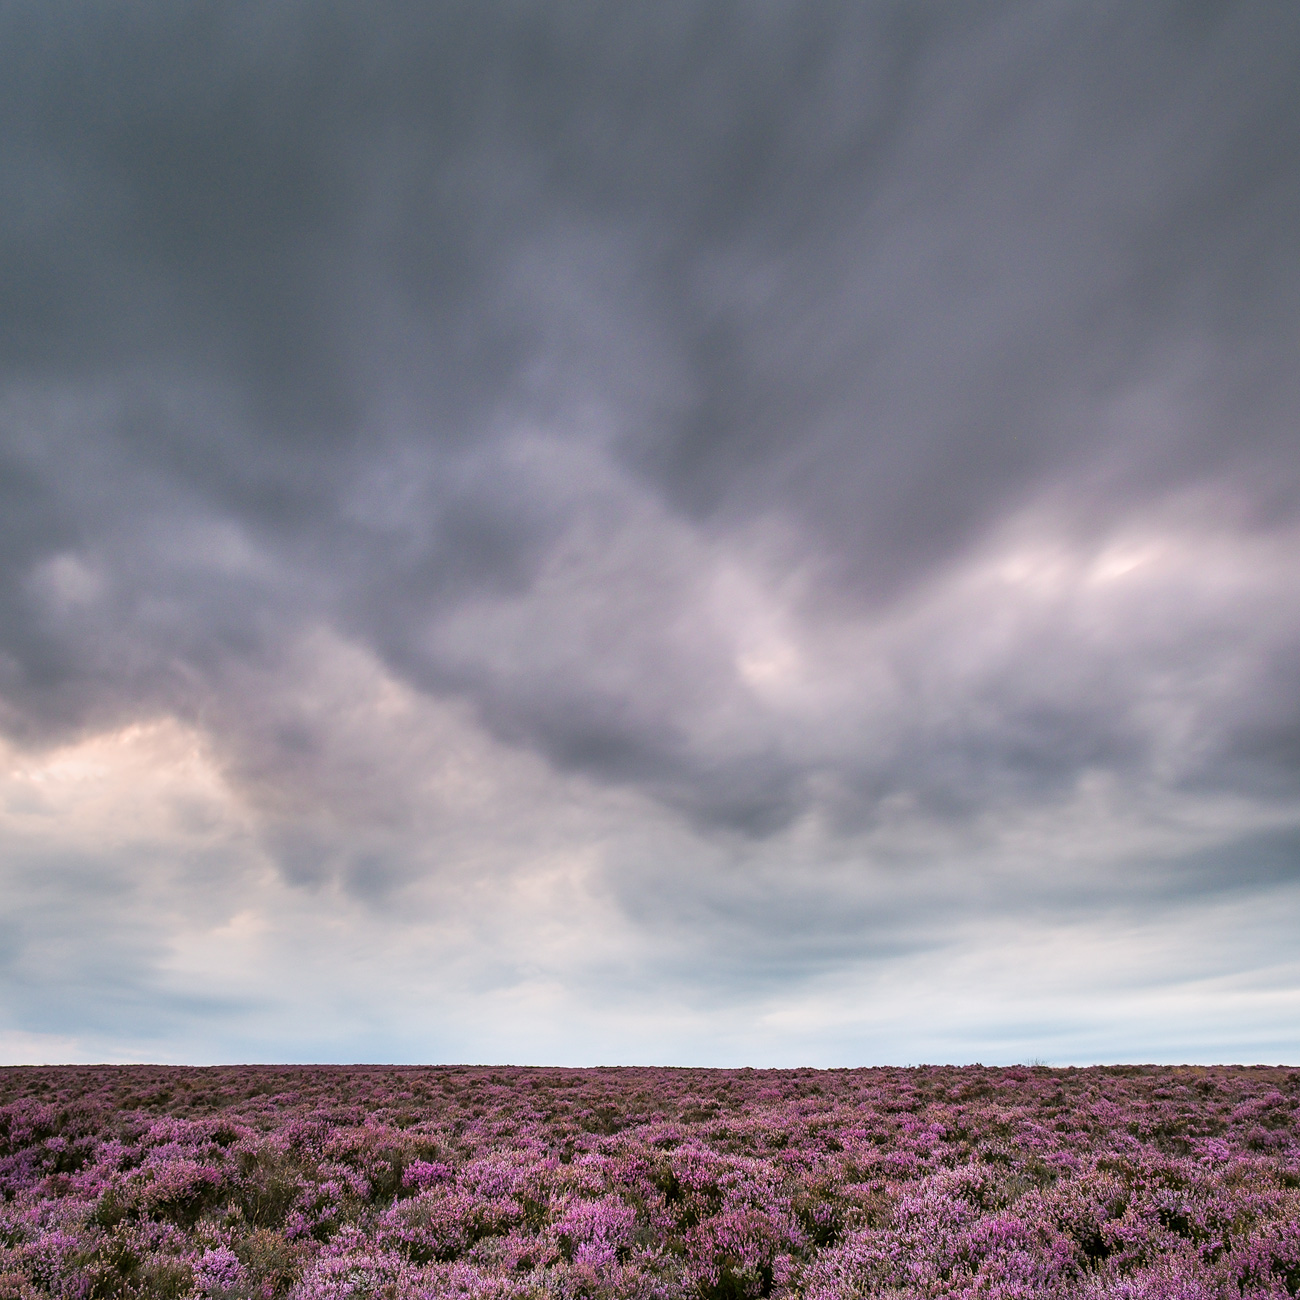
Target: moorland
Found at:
x=333, y=1182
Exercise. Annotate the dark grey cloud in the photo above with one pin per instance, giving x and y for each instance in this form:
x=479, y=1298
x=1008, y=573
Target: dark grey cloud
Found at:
x=867, y=422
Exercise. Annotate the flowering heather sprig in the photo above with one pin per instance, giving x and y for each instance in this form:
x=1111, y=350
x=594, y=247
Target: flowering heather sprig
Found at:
x=340, y=1183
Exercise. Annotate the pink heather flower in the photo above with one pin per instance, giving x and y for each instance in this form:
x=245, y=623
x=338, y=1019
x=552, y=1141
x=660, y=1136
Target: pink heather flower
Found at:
x=218, y=1271
x=423, y=1174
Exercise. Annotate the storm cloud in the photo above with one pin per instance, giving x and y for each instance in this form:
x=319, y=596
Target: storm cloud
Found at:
x=571, y=532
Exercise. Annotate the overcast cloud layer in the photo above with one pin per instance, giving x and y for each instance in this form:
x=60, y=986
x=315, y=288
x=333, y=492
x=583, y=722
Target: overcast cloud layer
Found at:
x=755, y=533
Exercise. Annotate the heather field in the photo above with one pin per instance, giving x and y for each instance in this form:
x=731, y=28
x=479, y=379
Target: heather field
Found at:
x=323, y=1182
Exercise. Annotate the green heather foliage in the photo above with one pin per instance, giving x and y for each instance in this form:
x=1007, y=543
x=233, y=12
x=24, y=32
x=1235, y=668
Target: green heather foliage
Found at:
x=335, y=1183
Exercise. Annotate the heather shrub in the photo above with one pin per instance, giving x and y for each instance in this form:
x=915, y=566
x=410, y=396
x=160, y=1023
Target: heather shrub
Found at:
x=324, y=1183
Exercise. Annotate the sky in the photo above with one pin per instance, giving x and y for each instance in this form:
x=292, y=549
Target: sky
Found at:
x=680, y=533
